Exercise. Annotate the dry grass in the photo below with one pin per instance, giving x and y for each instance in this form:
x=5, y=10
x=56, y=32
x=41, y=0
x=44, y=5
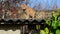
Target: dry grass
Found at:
x=39, y=15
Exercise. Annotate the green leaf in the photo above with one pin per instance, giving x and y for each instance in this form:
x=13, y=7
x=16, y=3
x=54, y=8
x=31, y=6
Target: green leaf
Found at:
x=54, y=24
x=37, y=27
x=48, y=21
x=58, y=23
x=57, y=31
x=54, y=21
x=59, y=11
x=51, y=33
x=46, y=30
x=42, y=32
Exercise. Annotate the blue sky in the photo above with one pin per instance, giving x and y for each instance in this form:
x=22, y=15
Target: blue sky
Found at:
x=58, y=3
x=50, y=3
x=43, y=2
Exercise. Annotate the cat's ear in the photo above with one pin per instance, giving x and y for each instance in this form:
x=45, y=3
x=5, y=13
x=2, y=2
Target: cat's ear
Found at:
x=23, y=6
